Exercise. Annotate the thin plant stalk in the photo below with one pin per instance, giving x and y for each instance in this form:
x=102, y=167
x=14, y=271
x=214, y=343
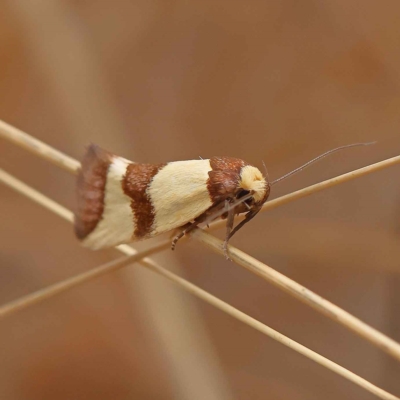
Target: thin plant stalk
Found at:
x=69, y=283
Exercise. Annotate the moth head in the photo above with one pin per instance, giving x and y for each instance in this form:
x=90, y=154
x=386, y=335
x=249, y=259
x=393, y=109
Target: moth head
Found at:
x=252, y=190
x=254, y=186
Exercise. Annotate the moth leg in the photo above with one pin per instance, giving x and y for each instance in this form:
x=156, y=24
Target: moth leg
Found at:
x=188, y=228
x=180, y=235
x=229, y=227
x=250, y=215
x=201, y=218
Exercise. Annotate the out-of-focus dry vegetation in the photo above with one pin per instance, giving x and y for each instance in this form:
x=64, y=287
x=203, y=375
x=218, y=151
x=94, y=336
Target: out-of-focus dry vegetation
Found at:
x=154, y=81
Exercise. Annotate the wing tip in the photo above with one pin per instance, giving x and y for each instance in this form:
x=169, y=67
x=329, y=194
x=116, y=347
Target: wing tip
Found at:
x=91, y=183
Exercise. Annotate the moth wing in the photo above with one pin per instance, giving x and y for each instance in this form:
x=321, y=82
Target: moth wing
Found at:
x=103, y=216
x=120, y=201
x=179, y=194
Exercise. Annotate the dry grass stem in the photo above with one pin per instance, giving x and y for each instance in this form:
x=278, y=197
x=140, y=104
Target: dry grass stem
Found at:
x=246, y=261
x=255, y=266
x=266, y=330
x=358, y=173
x=69, y=283
x=35, y=196
x=298, y=194
x=37, y=147
x=377, y=338
x=305, y=295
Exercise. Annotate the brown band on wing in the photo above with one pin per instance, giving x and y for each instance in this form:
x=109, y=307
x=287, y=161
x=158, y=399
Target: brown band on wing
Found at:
x=224, y=178
x=91, y=185
x=134, y=184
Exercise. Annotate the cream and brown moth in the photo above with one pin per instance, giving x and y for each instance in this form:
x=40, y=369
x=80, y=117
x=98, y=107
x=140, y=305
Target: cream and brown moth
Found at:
x=120, y=201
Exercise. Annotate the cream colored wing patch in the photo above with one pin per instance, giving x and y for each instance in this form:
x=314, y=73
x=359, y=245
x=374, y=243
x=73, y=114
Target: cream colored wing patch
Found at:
x=179, y=194
x=117, y=224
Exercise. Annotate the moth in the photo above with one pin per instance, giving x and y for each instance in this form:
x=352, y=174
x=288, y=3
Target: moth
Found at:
x=120, y=201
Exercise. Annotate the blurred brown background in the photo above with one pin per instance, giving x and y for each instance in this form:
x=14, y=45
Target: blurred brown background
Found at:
x=155, y=81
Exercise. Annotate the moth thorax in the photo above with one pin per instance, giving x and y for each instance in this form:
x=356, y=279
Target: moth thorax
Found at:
x=253, y=180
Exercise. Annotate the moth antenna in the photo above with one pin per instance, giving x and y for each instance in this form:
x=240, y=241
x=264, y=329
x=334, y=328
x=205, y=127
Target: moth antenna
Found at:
x=317, y=159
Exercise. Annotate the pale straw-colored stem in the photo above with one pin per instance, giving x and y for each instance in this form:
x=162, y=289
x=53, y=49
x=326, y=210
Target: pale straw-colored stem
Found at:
x=264, y=271
x=72, y=165
x=37, y=147
x=70, y=283
x=36, y=196
x=358, y=173
x=266, y=330
x=300, y=292
x=298, y=194
x=378, y=339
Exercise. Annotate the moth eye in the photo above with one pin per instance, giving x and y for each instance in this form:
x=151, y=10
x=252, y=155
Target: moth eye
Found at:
x=242, y=193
